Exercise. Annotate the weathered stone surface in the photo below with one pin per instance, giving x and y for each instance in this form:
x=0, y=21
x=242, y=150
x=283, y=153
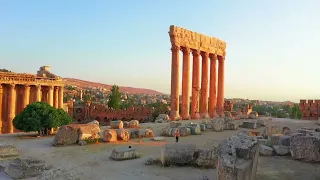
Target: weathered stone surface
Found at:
x=174, y=125
x=152, y=161
x=281, y=150
x=263, y=122
x=306, y=148
x=274, y=139
x=123, y=134
x=263, y=141
x=185, y=131
x=202, y=127
x=116, y=124
x=177, y=154
x=134, y=124
x=72, y=133
x=8, y=150
x=82, y=143
x=231, y=126
x=137, y=133
x=217, y=124
x=110, y=135
x=124, y=154
x=195, y=130
x=269, y=130
x=209, y=126
x=94, y=122
x=306, y=131
x=148, y=133
x=266, y=150
x=28, y=167
x=59, y=174
x=164, y=117
x=238, y=158
x=249, y=125
x=206, y=157
x=284, y=140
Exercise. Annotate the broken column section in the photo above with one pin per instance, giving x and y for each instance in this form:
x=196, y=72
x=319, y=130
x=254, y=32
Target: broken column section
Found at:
x=238, y=158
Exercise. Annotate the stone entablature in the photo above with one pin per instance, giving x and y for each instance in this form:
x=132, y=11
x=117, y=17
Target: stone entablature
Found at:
x=17, y=90
x=186, y=38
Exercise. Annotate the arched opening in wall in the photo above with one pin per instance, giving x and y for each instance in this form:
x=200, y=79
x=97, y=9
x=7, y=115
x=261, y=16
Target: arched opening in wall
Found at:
x=123, y=119
x=79, y=120
x=97, y=118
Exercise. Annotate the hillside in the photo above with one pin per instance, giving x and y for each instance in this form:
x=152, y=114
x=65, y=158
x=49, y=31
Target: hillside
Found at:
x=130, y=90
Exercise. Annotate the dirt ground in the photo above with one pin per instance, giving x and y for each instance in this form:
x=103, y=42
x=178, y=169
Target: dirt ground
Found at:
x=92, y=161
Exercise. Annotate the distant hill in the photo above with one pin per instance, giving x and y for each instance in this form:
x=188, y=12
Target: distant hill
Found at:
x=130, y=90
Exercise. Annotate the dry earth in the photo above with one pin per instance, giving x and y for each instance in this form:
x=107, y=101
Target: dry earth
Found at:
x=92, y=161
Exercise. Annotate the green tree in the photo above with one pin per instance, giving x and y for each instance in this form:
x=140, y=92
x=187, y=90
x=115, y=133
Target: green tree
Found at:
x=114, y=97
x=296, y=113
x=40, y=116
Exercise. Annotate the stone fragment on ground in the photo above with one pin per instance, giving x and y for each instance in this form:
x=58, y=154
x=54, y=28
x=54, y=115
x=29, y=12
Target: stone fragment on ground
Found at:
x=152, y=161
x=238, y=158
x=82, y=143
x=206, y=157
x=305, y=148
x=8, y=150
x=270, y=129
x=124, y=154
x=184, y=131
x=110, y=135
x=123, y=134
x=148, y=133
x=281, y=150
x=134, y=124
x=249, y=125
x=158, y=138
x=217, y=124
x=174, y=124
x=284, y=140
x=73, y=133
x=22, y=168
x=58, y=174
x=116, y=124
x=177, y=154
x=163, y=117
x=266, y=150
x=202, y=127
x=195, y=130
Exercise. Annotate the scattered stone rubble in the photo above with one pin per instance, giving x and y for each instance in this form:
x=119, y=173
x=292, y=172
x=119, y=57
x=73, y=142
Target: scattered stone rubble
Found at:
x=8, y=150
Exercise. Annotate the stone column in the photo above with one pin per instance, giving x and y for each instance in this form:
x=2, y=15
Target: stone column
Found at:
x=204, y=86
x=38, y=93
x=11, y=107
x=1, y=94
x=185, y=114
x=60, y=97
x=56, y=97
x=213, y=86
x=220, y=98
x=195, y=85
x=175, y=86
x=26, y=96
x=50, y=96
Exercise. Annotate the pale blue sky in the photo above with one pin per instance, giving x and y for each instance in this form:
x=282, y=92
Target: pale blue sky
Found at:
x=272, y=45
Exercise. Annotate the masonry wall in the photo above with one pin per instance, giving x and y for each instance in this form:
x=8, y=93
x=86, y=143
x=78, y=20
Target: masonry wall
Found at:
x=310, y=109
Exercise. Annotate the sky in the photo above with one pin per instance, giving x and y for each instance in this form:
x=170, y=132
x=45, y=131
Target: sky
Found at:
x=272, y=45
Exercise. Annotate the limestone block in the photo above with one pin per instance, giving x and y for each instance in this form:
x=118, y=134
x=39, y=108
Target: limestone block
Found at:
x=125, y=124
x=217, y=124
x=110, y=135
x=281, y=150
x=306, y=148
x=158, y=138
x=238, y=158
x=265, y=150
x=116, y=124
x=263, y=141
x=82, y=143
x=177, y=154
x=94, y=122
x=8, y=150
x=305, y=131
x=231, y=126
x=185, y=131
x=206, y=158
x=195, y=130
x=202, y=127
x=136, y=133
x=23, y=168
x=263, y=122
x=249, y=125
x=152, y=161
x=134, y=124
x=284, y=140
x=148, y=133
x=269, y=130
x=124, y=154
x=209, y=126
x=164, y=117
x=72, y=133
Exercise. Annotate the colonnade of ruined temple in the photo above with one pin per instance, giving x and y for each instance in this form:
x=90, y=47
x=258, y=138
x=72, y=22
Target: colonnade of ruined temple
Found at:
x=210, y=101
x=19, y=90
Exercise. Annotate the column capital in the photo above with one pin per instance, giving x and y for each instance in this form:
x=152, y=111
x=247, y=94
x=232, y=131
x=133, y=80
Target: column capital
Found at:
x=221, y=58
x=56, y=87
x=195, y=52
x=185, y=50
x=204, y=54
x=38, y=85
x=213, y=57
x=26, y=85
x=50, y=87
x=175, y=47
x=12, y=85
